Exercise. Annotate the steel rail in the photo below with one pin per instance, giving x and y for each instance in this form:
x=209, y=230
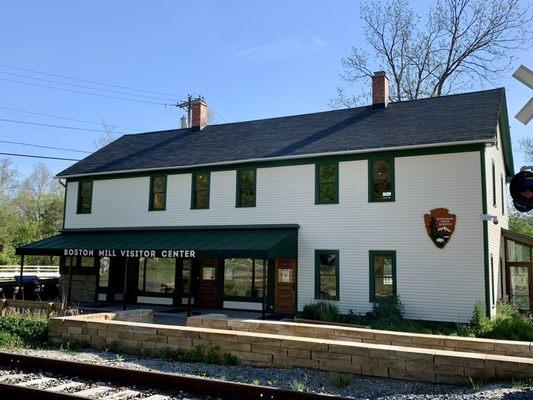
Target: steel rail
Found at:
x=165, y=382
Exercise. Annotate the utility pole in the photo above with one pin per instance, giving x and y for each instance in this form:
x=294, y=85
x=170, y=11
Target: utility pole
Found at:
x=188, y=106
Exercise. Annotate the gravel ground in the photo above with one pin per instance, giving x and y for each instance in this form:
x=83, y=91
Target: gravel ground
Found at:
x=361, y=387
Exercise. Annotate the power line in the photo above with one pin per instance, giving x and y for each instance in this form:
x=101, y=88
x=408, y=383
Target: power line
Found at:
x=87, y=81
x=34, y=156
x=83, y=86
x=44, y=147
x=52, y=126
x=65, y=118
x=82, y=92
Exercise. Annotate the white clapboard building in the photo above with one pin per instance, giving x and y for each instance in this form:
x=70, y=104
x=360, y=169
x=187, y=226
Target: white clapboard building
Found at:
x=348, y=206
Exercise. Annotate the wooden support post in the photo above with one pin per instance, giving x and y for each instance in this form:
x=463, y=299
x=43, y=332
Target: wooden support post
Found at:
x=69, y=292
x=125, y=283
x=190, y=289
x=21, y=284
x=263, y=305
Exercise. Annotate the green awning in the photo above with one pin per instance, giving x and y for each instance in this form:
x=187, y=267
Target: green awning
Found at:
x=214, y=242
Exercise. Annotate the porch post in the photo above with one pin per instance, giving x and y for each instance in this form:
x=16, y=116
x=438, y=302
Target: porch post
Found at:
x=69, y=293
x=125, y=283
x=190, y=289
x=21, y=285
x=263, y=305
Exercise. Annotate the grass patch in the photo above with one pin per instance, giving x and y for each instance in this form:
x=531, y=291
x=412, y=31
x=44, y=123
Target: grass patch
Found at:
x=340, y=380
x=28, y=331
x=198, y=355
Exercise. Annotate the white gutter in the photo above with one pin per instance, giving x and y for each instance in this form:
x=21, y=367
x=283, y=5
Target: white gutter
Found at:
x=250, y=160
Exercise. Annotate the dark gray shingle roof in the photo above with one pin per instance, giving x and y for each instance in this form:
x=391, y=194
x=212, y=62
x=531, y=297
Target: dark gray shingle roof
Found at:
x=455, y=118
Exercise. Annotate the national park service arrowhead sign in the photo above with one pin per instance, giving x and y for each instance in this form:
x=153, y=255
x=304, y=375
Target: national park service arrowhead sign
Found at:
x=440, y=225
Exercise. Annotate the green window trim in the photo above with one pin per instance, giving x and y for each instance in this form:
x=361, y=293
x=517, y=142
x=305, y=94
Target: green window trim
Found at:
x=79, y=206
x=371, y=161
x=318, y=183
x=151, y=205
x=493, y=183
x=195, y=191
x=318, y=253
x=239, y=186
x=372, y=254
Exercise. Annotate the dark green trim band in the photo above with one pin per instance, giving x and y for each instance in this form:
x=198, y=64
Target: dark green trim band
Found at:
x=317, y=274
x=485, y=231
x=372, y=273
x=298, y=161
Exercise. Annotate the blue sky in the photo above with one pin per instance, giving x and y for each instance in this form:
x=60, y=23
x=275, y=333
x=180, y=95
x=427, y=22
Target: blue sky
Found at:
x=249, y=59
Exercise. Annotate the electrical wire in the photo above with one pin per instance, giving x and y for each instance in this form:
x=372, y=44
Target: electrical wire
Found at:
x=52, y=126
x=34, y=156
x=44, y=147
x=83, y=86
x=82, y=92
x=66, y=118
x=87, y=81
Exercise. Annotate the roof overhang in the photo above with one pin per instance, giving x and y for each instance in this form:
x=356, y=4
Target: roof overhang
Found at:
x=517, y=237
x=282, y=158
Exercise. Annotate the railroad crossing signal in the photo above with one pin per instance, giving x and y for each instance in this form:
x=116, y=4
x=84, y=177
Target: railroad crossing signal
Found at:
x=525, y=75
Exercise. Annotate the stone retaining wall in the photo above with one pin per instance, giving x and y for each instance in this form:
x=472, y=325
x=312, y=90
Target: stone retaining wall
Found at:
x=83, y=287
x=270, y=350
x=363, y=335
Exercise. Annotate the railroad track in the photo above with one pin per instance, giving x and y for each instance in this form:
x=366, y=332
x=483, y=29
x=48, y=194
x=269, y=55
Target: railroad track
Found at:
x=30, y=377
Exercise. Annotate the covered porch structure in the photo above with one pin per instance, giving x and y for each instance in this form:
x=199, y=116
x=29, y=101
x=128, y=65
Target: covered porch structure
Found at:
x=221, y=267
x=519, y=270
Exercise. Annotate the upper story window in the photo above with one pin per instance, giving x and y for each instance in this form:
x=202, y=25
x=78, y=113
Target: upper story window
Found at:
x=246, y=187
x=327, y=274
x=85, y=197
x=381, y=179
x=158, y=193
x=327, y=183
x=200, y=190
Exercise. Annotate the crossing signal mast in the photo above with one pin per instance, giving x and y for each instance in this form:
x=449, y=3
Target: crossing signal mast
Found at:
x=521, y=186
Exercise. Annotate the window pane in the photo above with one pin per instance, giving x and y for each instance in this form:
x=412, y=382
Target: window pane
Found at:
x=158, y=184
x=328, y=192
x=238, y=275
x=381, y=180
x=160, y=275
x=327, y=276
x=519, y=286
x=202, y=181
x=142, y=267
x=258, y=281
x=383, y=277
x=208, y=273
x=327, y=184
x=327, y=173
x=86, y=188
x=284, y=275
x=158, y=201
x=87, y=261
x=202, y=199
x=70, y=261
x=103, y=273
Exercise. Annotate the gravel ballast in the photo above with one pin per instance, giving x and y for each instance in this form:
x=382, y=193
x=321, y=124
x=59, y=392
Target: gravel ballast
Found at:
x=361, y=387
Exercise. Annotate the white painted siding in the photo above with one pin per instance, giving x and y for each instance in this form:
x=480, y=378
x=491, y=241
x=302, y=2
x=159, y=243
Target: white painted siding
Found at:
x=495, y=154
x=435, y=284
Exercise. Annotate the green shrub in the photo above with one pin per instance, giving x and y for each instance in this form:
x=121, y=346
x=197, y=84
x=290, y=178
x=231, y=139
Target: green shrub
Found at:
x=31, y=331
x=198, y=355
x=321, y=311
x=508, y=324
x=9, y=340
x=388, y=310
x=340, y=380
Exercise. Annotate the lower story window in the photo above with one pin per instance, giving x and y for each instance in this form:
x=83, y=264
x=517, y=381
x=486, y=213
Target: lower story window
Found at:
x=243, y=277
x=186, y=276
x=382, y=275
x=103, y=272
x=327, y=274
x=157, y=275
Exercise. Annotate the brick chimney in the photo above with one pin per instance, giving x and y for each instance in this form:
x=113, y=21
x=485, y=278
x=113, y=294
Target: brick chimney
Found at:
x=199, y=113
x=380, y=90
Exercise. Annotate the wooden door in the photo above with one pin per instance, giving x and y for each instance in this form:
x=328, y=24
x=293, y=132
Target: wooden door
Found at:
x=285, y=287
x=207, y=293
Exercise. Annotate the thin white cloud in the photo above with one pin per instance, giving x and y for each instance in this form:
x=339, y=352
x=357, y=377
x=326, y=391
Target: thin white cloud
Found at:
x=289, y=47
